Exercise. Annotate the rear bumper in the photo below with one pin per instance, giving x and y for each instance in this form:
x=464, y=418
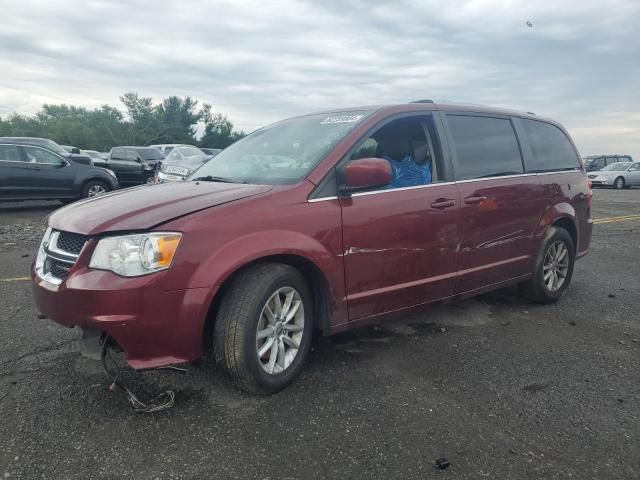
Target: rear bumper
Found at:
x=154, y=328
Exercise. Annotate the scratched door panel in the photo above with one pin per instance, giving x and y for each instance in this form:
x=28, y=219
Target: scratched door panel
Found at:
x=497, y=230
x=399, y=251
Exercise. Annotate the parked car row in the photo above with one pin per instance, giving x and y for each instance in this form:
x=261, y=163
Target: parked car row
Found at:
x=598, y=162
x=63, y=172
x=617, y=175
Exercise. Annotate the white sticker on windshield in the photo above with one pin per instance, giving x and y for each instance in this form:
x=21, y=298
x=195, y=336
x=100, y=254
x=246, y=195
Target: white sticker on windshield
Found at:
x=342, y=119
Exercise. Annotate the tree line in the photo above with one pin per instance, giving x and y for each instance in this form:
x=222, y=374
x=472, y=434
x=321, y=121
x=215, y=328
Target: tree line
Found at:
x=173, y=120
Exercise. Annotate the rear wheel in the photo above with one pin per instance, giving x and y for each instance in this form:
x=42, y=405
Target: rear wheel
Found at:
x=553, y=269
x=263, y=329
x=618, y=183
x=93, y=188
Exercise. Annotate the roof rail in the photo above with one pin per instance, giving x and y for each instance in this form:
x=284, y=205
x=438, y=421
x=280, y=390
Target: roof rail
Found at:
x=530, y=113
x=426, y=100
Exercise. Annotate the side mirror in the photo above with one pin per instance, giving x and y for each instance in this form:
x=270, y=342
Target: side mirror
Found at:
x=364, y=173
x=75, y=150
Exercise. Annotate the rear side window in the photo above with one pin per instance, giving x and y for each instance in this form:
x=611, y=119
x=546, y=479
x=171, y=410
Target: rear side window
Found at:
x=550, y=148
x=117, y=153
x=10, y=153
x=485, y=147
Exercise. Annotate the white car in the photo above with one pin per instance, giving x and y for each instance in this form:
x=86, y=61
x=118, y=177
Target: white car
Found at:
x=617, y=175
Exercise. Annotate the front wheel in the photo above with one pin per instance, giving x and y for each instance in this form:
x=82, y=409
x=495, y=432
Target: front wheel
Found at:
x=618, y=184
x=263, y=329
x=93, y=188
x=553, y=269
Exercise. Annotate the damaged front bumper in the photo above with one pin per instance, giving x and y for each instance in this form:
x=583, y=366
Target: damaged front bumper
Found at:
x=154, y=328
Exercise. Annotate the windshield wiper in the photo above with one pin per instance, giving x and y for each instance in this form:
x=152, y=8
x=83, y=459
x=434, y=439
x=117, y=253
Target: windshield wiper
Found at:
x=211, y=178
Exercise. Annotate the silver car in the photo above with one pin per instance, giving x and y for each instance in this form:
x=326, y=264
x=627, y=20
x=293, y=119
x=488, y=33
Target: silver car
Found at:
x=181, y=161
x=617, y=175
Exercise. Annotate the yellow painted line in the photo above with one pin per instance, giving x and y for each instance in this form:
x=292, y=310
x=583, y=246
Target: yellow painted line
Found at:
x=15, y=279
x=624, y=218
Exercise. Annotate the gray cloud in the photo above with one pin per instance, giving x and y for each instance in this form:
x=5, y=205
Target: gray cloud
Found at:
x=261, y=61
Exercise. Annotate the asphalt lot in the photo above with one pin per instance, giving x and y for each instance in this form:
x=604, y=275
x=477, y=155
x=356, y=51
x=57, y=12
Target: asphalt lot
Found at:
x=501, y=387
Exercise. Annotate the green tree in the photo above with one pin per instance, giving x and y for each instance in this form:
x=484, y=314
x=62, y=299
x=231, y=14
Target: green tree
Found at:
x=218, y=130
x=174, y=120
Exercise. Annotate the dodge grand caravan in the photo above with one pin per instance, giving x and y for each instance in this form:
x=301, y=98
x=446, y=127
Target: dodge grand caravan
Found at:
x=318, y=224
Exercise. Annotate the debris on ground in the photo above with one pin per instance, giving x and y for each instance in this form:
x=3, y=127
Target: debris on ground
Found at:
x=442, y=463
x=535, y=387
x=612, y=295
x=572, y=323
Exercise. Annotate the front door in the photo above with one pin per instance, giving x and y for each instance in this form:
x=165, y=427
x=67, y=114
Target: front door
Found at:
x=633, y=174
x=123, y=162
x=399, y=242
x=15, y=173
x=52, y=175
x=500, y=206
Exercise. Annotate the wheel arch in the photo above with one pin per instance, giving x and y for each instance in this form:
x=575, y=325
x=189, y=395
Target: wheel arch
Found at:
x=316, y=278
x=569, y=225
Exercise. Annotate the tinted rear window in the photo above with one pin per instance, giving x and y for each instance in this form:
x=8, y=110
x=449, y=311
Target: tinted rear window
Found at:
x=550, y=147
x=485, y=147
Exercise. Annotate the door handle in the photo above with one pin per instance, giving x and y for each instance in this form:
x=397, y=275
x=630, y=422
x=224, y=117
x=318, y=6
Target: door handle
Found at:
x=443, y=203
x=474, y=200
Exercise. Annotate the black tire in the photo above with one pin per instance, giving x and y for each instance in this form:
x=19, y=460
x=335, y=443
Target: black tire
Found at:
x=93, y=184
x=536, y=289
x=618, y=183
x=235, y=328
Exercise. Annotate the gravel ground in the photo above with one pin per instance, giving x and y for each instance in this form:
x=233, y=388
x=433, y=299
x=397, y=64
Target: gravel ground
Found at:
x=500, y=387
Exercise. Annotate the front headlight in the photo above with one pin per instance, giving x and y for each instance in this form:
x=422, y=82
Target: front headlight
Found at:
x=135, y=255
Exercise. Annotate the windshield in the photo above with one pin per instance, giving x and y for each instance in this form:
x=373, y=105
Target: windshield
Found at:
x=151, y=154
x=282, y=153
x=178, y=154
x=616, y=167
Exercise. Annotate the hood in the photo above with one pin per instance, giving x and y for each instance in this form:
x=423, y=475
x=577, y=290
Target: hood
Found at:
x=146, y=206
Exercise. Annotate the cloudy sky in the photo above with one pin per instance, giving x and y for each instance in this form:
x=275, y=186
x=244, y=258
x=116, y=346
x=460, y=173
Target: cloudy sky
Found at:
x=259, y=61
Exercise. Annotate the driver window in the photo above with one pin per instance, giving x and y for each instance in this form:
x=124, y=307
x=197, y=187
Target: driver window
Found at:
x=41, y=156
x=408, y=145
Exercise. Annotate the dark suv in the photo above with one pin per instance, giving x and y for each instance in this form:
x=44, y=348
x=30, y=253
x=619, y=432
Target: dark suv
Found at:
x=30, y=172
x=134, y=165
x=322, y=222
x=73, y=155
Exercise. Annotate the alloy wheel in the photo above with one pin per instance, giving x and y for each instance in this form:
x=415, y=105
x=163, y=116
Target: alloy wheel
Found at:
x=556, y=266
x=280, y=329
x=95, y=190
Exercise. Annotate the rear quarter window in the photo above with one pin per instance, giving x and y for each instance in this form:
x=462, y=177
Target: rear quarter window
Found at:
x=551, y=150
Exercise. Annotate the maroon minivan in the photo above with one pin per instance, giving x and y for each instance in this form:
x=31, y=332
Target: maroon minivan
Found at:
x=320, y=223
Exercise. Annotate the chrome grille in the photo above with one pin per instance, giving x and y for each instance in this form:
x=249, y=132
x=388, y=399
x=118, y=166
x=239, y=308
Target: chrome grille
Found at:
x=59, y=252
x=70, y=242
x=58, y=269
